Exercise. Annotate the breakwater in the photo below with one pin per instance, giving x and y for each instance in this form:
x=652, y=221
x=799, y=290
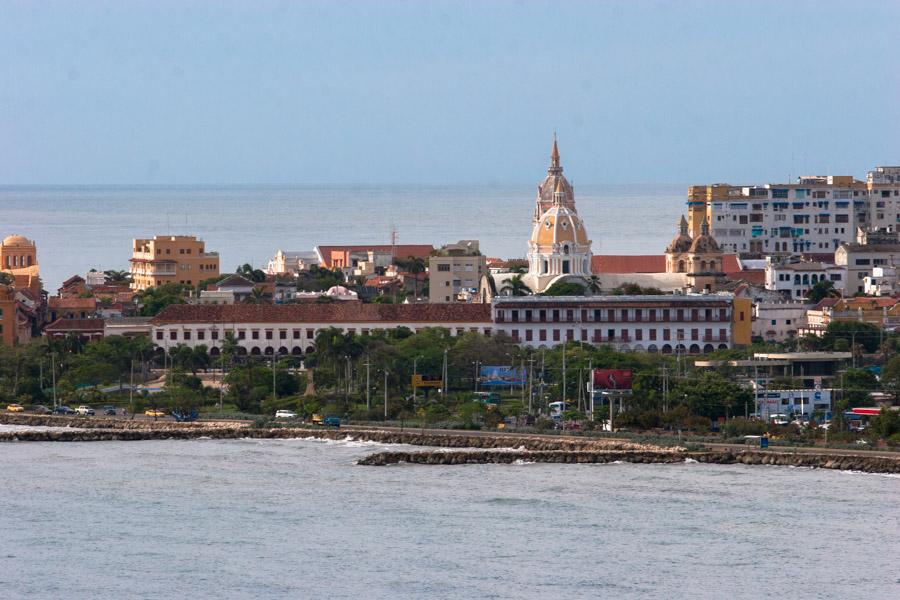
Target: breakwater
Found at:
x=868, y=464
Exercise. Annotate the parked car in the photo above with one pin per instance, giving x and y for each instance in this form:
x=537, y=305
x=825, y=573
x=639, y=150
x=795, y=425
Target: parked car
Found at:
x=63, y=410
x=152, y=412
x=285, y=414
x=40, y=409
x=109, y=410
x=84, y=410
x=15, y=408
x=331, y=421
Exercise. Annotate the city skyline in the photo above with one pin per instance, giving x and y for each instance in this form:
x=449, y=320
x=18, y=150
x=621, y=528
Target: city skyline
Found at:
x=444, y=93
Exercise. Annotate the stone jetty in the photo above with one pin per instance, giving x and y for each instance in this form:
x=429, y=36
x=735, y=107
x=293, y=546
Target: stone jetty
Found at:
x=850, y=462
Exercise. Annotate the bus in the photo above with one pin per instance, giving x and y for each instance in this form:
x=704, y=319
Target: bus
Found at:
x=557, y=409
x=489, y=399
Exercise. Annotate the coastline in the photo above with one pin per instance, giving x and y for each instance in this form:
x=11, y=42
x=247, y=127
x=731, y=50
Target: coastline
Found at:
x=465, y=447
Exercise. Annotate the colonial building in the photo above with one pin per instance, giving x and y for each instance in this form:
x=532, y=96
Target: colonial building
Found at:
x=171, y=259
x=18, y=254
x=22, y=299
x=559, y=247
x=795, y=278
x=694, y=323
x=291, y=329
x=700, y=259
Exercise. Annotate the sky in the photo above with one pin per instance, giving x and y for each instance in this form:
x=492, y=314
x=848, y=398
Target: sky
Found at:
x=336, y=93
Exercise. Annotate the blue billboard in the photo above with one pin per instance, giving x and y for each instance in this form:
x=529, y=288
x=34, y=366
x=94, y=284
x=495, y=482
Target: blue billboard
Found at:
x=497, y=375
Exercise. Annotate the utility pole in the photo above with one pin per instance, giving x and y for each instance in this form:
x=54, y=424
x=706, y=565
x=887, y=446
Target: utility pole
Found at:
x=522, y=365
x=530, y=383
x=131, y=387
x=274, y=395
x=53, y=374
x=665, y=376
x=564, y=373
x=444, y=374
x=590, y=386
x=368, y=386
x=385, y=395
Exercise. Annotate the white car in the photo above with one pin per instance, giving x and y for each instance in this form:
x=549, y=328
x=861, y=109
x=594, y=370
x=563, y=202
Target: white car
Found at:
x=285, y=414
x=84, y=410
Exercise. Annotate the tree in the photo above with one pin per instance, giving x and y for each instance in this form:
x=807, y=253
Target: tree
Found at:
x=821, y=290
x=117, y=277
x=254, y=275
x=633, y=289
x=6, y=278
x=412, y=265
x=515, y=286
x=855, y=332
x=154, y=299
x=258, y=295
x=565, y=288
x=886, y=424
x=190, y=359
x=711, y=395
x=858, y=385
x=890, y=377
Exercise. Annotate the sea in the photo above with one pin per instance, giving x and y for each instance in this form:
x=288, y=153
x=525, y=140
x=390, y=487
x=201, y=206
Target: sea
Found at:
x=299, y=519
x=78, y=228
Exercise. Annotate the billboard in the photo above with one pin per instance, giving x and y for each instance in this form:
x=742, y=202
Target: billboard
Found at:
x=500, y=375
x=612, y=379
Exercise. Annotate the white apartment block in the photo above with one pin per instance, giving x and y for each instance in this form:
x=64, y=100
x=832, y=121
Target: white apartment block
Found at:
x=778, y=321
x=814, y=215
x=795, y=279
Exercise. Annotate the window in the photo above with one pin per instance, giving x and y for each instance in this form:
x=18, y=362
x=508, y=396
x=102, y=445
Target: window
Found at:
x=268, y=335
x=214, y=334
x=201, y=335
x=173, y=335
x=159, y=335
x=187, y=335
x=528, y=335
x=296, y=334
x=542, y=335
x=556, y=335
x=254, y=334
x=444, y=268
x=282, y=335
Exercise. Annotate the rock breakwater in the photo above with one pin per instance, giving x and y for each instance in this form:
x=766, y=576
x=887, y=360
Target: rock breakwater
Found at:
x=868, y=464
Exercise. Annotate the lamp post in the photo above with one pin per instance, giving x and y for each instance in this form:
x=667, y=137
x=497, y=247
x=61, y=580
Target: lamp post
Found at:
x=415, y=372
x=444, y=374
x=385, y=394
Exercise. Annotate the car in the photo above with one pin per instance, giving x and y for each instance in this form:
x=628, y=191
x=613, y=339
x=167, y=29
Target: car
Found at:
x=331, y=421
x=84, y=411
x=40, y=409
x=317, y=419
x=15, y=408
x=285, y=414
x=152, y=412
x=63, y=410
x=109, y=410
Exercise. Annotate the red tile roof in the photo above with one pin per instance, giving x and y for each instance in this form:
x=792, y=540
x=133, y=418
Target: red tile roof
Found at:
x=824, y=302
x=639, y=263
x=63, y=325
x=336, y=312
x=400, y=250
x=74, y=303
x=754, y=276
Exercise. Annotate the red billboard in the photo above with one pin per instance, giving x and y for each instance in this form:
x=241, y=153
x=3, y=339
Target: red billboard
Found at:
x=612, y=379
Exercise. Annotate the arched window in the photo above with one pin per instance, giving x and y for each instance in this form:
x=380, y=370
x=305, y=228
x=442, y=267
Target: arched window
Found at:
x=681, y=266
x=565, y=249
x=703, y=266
x=546, y=267
x=796, y=279
x=565, y=266
x=805, y=279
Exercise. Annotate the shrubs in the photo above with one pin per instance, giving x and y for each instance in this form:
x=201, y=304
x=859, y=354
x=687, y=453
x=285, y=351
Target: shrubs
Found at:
x=739, y=427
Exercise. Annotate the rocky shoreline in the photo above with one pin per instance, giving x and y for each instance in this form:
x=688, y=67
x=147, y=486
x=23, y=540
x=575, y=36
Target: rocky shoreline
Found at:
x=467, y=448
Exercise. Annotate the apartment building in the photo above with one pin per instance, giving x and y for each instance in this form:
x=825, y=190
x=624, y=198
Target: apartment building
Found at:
x=171, y=259
x=453, y=269
x=690, y=324
x=816, y=214
x=858, y=260
x=795, y=278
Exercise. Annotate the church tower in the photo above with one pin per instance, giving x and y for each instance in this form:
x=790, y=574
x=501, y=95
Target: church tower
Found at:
x=700, y=259
x=559, y=247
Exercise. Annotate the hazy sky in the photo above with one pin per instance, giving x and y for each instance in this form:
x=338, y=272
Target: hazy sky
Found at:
x=434, y=92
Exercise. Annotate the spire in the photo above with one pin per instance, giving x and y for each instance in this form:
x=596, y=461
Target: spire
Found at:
x=683, y=225
x=704, y=227
x=554, y=169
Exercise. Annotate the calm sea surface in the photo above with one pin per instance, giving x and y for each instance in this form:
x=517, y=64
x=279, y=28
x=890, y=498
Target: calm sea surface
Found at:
x=297, y=519
x=79, y=228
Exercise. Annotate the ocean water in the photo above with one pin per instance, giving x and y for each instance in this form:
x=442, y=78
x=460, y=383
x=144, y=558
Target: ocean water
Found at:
x=79, y=228
x=298, y=519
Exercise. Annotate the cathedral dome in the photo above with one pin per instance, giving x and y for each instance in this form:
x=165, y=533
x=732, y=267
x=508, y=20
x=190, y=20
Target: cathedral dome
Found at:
x=704, y=243
x=557, y=226
x=682, y=241
x=17, y=240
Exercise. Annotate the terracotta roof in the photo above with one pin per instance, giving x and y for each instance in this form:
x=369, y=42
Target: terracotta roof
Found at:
x=640, y=263
x=825, y=302
x=75, y=303
x=61, y=325
x=72, y=280
x=400, y=250
x=754, y=276
x=337, y=312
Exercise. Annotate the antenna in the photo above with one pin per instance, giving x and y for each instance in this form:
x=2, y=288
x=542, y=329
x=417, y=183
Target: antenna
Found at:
x=393, y=240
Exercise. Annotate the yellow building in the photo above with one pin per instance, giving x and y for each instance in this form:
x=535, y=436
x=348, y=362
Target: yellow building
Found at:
x=171, y=259
x=18, y=255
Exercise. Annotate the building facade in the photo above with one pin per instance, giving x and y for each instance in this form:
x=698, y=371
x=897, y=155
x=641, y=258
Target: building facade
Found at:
x=858, y=260
x=816, y=214
x=690, y=324
x=794, y=279
x=268, y=330
x=453, y=270
x=778, y=321
x=171, y=259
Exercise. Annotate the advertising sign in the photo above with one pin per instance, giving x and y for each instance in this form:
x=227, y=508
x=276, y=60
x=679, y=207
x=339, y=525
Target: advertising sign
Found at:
x=612, y=379
x=501, y=375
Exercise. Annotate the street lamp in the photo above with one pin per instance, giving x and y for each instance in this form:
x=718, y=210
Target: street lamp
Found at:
x=415, y=372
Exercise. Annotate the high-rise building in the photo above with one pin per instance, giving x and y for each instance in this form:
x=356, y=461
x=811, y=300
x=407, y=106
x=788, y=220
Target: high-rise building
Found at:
x=171, y=259
x=814, y=215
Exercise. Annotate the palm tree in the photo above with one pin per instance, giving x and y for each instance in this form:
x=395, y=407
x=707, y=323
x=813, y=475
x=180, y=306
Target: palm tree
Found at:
x=257, y=296
x=514, y=286
x=593, y=284
x=113, y=276
x=413, y=265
